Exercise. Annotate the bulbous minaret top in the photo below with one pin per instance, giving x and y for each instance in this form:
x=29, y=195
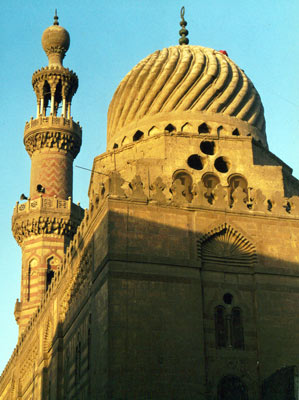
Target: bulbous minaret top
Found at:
x=55, y=42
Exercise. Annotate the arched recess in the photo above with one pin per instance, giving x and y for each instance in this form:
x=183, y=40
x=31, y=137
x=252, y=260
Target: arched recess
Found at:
x=46, y=98
x=153, y=130
x=125, y=141
x=231, y=388
x=187, y=128
x=47, y=337
x=186, y=181
x=30, y=281
x=224, y=245
x=237, y=181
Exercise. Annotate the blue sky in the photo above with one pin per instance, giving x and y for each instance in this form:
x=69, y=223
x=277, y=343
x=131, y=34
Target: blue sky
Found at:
x=107, y=40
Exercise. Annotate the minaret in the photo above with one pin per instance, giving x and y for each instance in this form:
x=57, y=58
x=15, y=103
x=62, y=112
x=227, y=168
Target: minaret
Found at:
x=45, y=223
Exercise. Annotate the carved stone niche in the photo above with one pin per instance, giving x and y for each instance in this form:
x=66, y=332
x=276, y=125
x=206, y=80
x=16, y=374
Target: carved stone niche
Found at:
x=225, y=246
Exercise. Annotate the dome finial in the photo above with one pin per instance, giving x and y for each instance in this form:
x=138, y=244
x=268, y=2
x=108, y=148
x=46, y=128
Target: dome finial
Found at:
x=183, y=32
x=55, y=18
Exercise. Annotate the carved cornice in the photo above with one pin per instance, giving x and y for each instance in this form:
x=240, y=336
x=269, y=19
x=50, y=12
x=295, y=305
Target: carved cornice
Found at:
x=45, y=216
x=62, y=141
x=24, y=229
x=58, y=133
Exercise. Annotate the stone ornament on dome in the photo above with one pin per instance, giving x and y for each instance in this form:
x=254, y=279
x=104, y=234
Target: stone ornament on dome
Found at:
x=55, y=42
x=183, y=32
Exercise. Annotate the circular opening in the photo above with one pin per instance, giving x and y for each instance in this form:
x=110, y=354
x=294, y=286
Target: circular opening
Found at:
x=207, y=147
x=228, y=298
x=195, y=162
x=222, y=164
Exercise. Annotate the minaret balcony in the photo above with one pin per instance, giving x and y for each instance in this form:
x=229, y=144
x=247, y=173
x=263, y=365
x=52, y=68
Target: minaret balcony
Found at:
x=45, y=215
x=53, y=132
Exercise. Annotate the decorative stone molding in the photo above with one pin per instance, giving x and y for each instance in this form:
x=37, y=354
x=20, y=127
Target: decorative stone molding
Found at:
x=45, y=216
x=137, y=189
x=43, y=225
x=220, y=197
x=157, y=188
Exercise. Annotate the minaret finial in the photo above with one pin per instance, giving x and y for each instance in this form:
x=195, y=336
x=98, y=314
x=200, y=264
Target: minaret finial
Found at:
x=183, y=32
x=55, y=18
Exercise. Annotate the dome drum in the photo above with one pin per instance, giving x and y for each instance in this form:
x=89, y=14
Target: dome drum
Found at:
x=188, y=122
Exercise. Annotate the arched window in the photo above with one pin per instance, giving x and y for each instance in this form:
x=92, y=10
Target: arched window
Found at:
x=237, y=329
x=186, y=181
x=221, y=327
x=50, y=271
x=231, y=388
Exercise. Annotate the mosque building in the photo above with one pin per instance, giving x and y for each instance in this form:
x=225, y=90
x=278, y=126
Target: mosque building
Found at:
x=180, y=281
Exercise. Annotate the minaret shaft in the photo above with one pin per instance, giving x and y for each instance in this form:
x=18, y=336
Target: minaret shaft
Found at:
x=44, y=225
x=53, y=172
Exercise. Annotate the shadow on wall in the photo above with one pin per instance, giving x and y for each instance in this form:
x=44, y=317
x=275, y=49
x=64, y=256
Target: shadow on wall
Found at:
x=142, y=323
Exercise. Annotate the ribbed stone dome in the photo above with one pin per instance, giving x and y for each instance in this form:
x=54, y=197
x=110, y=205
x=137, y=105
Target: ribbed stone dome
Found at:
x=185, y=84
